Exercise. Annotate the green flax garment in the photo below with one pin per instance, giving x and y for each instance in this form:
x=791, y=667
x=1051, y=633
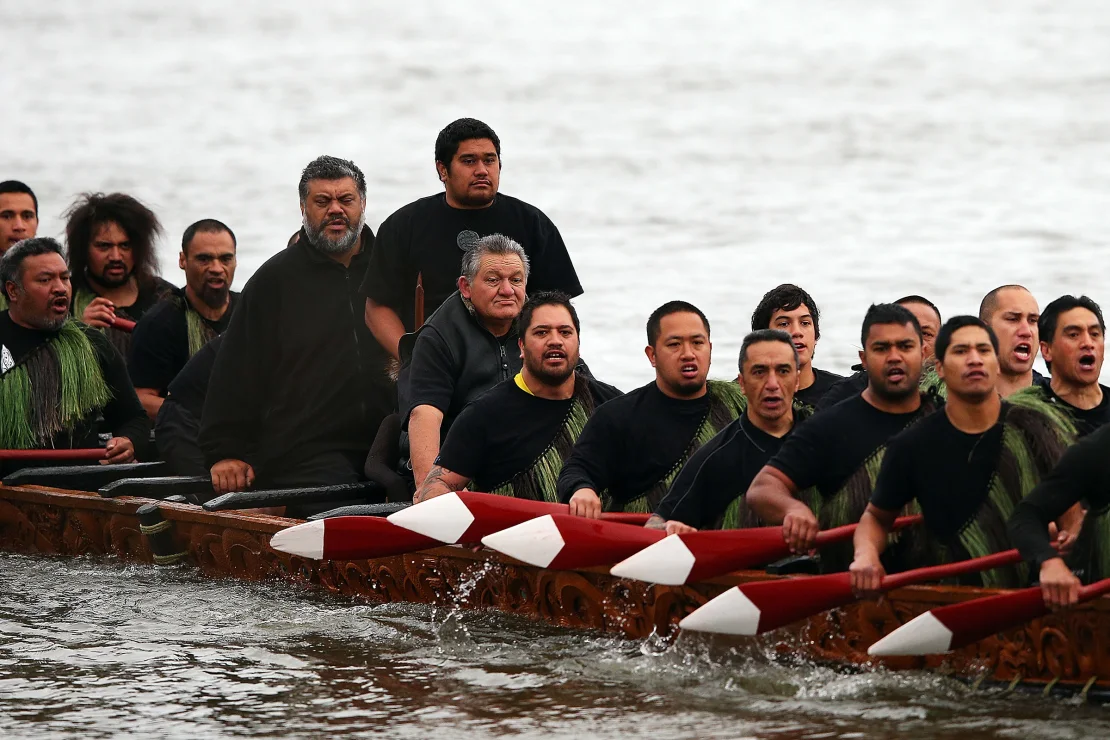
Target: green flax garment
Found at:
x=510, y=442
x=968, y=485
x=51, y=390
x=634, y=446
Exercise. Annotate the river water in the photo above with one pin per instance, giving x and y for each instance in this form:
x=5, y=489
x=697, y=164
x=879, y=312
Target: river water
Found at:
x=705, y=151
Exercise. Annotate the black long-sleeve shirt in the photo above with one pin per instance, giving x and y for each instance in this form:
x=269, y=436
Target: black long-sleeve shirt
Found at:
x=1083, y=474
x=298, y=373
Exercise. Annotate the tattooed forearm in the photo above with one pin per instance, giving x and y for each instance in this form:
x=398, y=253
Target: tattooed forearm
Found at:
x=438, y=482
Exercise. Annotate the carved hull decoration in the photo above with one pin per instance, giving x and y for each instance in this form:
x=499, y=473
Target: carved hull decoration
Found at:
x=1067, y=649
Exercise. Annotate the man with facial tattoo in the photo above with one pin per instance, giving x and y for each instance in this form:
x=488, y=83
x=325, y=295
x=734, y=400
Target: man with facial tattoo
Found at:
x=43, y=352
x=512, y=440
x=114, y=263
x=175, y=330
x=298, y=386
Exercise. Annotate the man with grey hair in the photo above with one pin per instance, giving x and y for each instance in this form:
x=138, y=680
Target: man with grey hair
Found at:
x=43, y=351
x=299, y=385
x=465, y=348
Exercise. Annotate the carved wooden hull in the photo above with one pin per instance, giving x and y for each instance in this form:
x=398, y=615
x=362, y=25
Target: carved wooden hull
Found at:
x=1070, y=649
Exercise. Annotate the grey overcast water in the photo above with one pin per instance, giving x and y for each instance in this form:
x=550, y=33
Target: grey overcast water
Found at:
x=705, y=151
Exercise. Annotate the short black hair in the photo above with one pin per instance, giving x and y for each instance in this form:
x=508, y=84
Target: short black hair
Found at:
x=766, y=335
x=954, y=324
x=205, y=226
x=326, y=167
x=15, y=186
x=11, y=262
x=887, y=313
x=546, y=298
x=668, y=308
x=456, y=132
x=921, y=300
x=785, y=297
x=1050, y=316
x=989, y=305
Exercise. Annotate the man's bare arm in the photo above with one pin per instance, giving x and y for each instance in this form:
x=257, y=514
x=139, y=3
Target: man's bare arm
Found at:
x=771, y=496
x=150, y=400
x=424, y=425
x=439, y=481
x=870, y=540
x=386, y=326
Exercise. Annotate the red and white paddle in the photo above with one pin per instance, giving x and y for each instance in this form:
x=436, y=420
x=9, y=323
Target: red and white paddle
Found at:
x=466, y=516
x=349, y=538
x=696, y=556
x=565, y=541
x=953, y=626
x=762, y=606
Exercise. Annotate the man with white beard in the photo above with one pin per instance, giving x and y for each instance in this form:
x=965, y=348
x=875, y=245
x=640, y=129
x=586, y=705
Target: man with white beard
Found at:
x=298, y=386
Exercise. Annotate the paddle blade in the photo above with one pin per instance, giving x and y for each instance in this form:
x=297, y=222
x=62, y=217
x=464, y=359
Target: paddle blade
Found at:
x=468, y=516
x=695, y=556
x=564, y=541
x=349, y=538
x=755, y=608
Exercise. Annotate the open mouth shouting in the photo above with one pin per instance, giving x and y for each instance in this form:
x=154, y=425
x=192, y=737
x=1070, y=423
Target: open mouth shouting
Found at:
x=896, y=375
x=1088, y=363
x=60, y=304
x=772, y=403
x=555, y=357
x=1023, y=352
x=689, y=370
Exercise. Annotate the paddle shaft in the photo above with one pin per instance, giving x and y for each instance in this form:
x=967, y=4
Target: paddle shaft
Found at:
x=79, y=453
x=123, y=324
x=948, y=570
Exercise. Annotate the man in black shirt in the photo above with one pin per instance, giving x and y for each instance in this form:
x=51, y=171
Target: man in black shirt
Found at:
x=114, y=263
x=928, y=317
x=966, y=466
x=790, y=309
x=633, y=447
x=177, y=427
x=709, y=491
x=1012, y=314
x=1073, y=340
x=466, y=347
x=298, y=386
x=175, y=330
x=1083, y=474
x=512, y=440
x=58, y=377
x=423, y=242
x=824, y=474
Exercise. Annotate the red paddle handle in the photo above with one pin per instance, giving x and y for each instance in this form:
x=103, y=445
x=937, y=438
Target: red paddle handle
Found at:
x=937, y=572
x=123, y=324
x=840, y=534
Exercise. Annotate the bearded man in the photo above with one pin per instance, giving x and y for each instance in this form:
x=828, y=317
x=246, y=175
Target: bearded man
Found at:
x=113, y=262
x=299, y=385
x=513, y=439
x=43, y=352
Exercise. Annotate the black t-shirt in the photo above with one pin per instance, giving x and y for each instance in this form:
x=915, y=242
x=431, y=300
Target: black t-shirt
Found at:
x=1086, y=420
x=946, y=470
x=428, y=237
x=853, y=385
x=1083, y=474
x=123, y=415
x=718, y=473
x=827, y=449
x=160, y=342
x=505, y=430
x=822, y=382
x=631, y=443
x=190, y=386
